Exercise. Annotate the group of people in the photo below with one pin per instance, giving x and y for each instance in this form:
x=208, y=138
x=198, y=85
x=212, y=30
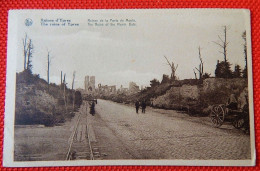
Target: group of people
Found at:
x=142, y=104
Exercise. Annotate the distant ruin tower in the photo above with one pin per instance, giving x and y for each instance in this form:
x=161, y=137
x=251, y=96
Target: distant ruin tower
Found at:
x=86, y=82
x=89, y=83
x=92, y=82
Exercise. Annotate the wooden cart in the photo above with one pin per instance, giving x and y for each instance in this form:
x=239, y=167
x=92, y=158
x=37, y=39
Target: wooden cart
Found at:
x=221, y=113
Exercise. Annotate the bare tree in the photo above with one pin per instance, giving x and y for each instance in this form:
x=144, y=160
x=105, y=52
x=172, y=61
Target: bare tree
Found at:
x=25, y=50
x=74, y=74
x=64, y=92
x=60, y=78
x=195, y=74
x=223, y=44
x=64, y=78
x=223, y=68
x=173, y=68
x=72, y=88
x=48, y=69
x=245, y=54
x=29, y=55
x=200, y=69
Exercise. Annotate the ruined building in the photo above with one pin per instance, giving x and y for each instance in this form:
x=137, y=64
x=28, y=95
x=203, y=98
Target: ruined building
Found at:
x=106, y=90
x=89, y=84
x=123, y=90
x=133, y=88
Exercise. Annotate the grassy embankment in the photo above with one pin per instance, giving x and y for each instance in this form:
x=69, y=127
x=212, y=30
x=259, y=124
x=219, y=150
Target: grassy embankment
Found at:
x=38, y=103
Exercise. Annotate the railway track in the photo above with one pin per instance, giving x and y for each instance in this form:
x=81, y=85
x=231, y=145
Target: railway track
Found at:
x=80, y=147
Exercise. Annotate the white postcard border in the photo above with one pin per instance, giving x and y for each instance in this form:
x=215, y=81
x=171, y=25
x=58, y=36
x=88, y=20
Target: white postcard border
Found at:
x=8, y=159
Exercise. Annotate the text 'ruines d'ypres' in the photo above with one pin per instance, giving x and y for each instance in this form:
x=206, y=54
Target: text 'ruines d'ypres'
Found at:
x=111, y=22
x=58, y=22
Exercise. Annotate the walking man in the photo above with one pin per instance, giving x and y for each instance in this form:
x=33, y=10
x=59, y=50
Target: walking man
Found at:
x=143, y=106
x=137, y=105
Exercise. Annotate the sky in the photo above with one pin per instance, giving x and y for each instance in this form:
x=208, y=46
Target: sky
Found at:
x=116, y=55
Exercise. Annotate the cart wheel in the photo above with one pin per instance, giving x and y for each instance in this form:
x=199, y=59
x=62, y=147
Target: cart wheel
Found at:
x=217, y=115
x=238, y=122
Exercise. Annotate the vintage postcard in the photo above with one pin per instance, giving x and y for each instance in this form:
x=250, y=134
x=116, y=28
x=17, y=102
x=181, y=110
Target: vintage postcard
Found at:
x=129, y=87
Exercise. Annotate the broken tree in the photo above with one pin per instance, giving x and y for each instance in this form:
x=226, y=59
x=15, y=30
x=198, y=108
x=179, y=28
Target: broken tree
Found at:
x=173, y=68
x=223, y=68
x=223, y=44
x=27, y=51
x=48, y=70
x=200, y=69
x=64, y=93
x=72, y=88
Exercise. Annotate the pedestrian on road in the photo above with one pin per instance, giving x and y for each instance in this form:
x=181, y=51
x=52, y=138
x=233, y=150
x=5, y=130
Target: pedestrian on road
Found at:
x=143, y=106
x=137, y=105
x=92, y=108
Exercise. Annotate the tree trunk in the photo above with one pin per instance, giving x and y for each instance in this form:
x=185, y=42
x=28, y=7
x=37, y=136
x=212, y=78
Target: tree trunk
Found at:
x=25, y=51
x=64, y=93
x=48, y=72
x=195, y=74
x=225, y=44
x=73, y=92
x=29, y=54
x=61, y=80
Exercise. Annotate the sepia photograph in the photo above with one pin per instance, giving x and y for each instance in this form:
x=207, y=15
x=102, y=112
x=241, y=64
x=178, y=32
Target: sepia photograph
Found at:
x=129, y=87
